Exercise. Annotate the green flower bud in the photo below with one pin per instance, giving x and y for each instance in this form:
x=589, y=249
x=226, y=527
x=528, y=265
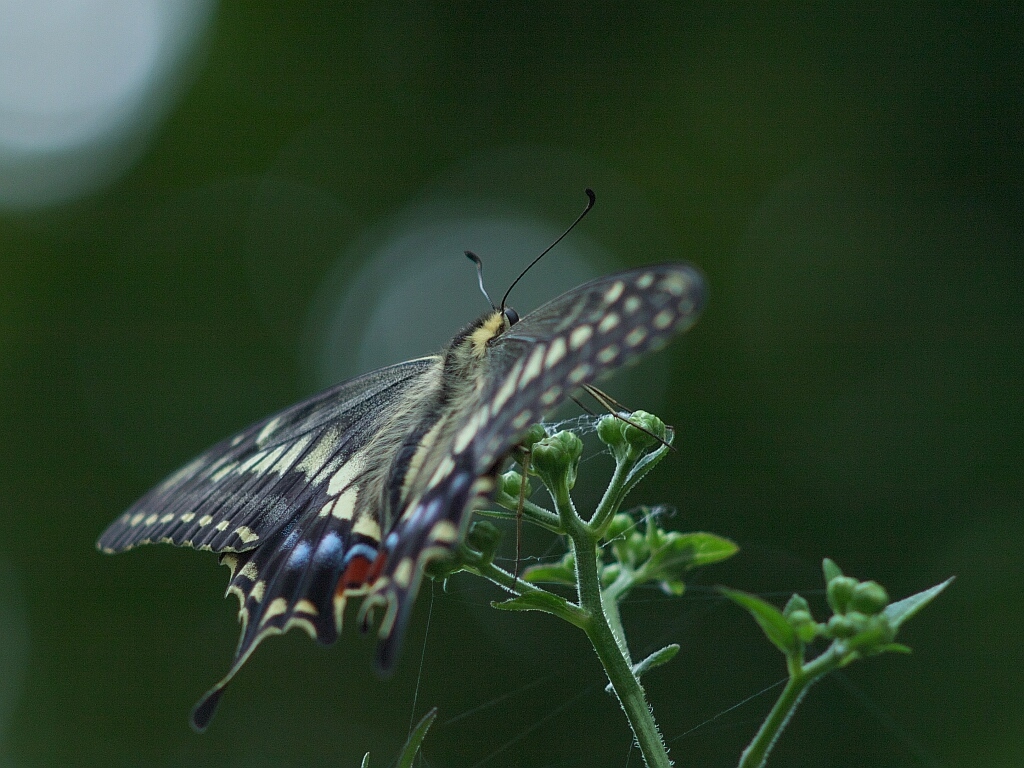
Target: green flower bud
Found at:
x=839, y=592
x=869, y=597
x=511, y=482
x=619, y=525
x=557, y=458
x=645, y=431
x=484, y=536
x=609, y=574
x=796, y=603
x=839, y=627
x=609, y=431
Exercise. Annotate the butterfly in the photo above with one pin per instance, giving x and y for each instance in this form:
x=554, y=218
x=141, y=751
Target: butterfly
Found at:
x=353, y=491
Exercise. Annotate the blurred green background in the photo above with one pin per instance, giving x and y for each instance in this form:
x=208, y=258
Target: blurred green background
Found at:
x=849, y=180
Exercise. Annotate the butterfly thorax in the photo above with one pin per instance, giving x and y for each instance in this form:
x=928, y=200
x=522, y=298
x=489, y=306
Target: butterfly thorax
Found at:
x=457, y=389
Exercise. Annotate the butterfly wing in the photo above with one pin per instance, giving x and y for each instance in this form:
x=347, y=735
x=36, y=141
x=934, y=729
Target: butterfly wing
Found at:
x=233, y=496
x=279, y=501
x=529, y=370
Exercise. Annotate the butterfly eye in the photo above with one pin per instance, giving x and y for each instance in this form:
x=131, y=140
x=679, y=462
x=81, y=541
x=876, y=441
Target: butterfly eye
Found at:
x=511, y=316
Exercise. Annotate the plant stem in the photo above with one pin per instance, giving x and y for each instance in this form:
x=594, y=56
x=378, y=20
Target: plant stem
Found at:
x=801, y=678
x=615, y=662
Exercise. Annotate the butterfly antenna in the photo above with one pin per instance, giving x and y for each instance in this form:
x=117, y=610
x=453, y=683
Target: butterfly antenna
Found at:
x=590, y=204
x=480, y=275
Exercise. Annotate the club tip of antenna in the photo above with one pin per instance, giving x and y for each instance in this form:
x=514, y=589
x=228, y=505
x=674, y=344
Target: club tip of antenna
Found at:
x=591, y=196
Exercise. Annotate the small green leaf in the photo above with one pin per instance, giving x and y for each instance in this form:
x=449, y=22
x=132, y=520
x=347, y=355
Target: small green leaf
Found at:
x=901, y=610
x=557, y=573
x=680, y=552
x=412, y=744
x=770, y=619
x=366, y=761
x=832, y=571
x=895, y=648
x=534, y=601
x=656, y=659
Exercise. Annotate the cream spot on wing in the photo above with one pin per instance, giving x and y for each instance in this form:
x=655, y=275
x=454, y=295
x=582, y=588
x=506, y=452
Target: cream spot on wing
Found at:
x=307, y=607
x=221, y=526
x=206, y=519
x=580, y=336
x=258, y=590
x=580, y=372
x=507, y=388
x=292, y=455
x=533, y=366
x=269, y=459
x=249, y=571
x=608, y=354
x=608, y=322
x=137, y=518
x=632, y=304
x=663, y=319
x=522, y=419
x=236, y=440
x=403, y=573
x=367, y=526
x=445, y=532
x=184, y=473
x=346, y=473
x=636, y=336
x=224, y=471
x=166, y=540
x=167, y=518
x=268, y=430
x=345, y=505
x=277, y=606
x=152, y=519
x=443, y=470
x=483, y=486
x=674, y=283
x=188, y=517
x=555, y=353
x=246, y=534
x=319, y=455
x=249, y=463
x=466, y=434
x=325, y=510
x=614, y=292
x=646, y=280
x=551, y=395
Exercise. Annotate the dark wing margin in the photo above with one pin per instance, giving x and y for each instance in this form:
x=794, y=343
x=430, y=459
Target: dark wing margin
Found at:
x=575, y=339
x=236, y=494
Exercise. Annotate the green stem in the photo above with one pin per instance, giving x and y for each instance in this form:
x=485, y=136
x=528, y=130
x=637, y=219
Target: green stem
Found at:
x=801, y=678
x=615, y=662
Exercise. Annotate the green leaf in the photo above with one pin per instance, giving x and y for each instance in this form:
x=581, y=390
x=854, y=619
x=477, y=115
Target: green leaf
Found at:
x=680, y=552
x=656, y=659
x=770, y=619
x=830, y=569
x=901, y=610
x=534, y=601
x=366, y=761
x=412, y=744
x=557, y=573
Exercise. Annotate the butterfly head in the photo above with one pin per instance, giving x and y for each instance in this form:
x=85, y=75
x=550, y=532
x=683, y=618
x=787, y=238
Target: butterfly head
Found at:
x=490, y=327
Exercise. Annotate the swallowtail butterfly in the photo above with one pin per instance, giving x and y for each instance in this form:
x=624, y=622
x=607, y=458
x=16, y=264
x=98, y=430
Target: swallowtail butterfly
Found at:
x=354, y=490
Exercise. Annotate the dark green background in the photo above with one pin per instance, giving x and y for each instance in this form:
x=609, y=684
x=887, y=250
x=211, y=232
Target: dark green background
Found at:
x=849, y=180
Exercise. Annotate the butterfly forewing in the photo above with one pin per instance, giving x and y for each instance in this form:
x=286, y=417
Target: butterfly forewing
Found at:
x=357, y=488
